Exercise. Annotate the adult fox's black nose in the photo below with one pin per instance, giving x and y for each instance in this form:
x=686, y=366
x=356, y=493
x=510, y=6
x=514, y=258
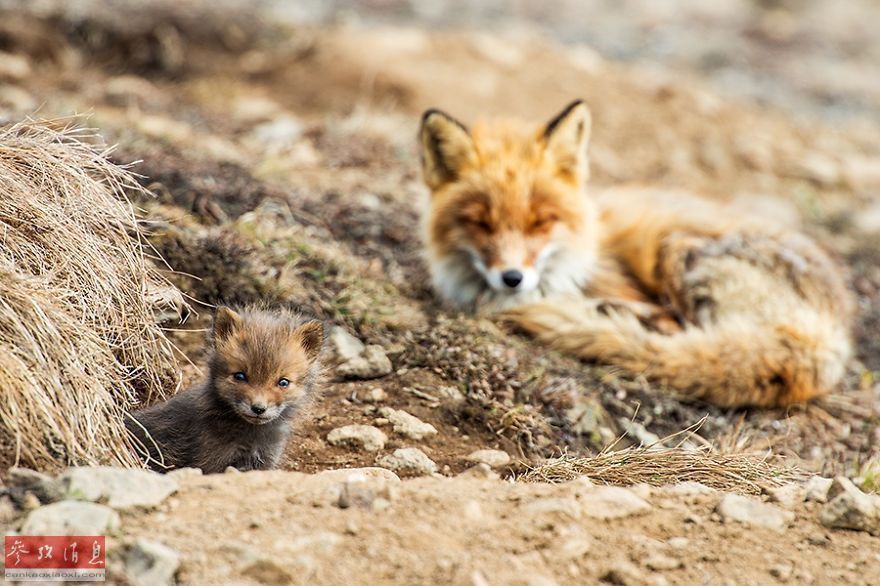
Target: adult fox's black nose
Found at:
x=258, y=409
x=512, y=278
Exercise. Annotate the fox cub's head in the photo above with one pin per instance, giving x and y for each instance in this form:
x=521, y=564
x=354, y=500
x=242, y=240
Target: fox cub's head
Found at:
x=264, y=362
x=508, y=219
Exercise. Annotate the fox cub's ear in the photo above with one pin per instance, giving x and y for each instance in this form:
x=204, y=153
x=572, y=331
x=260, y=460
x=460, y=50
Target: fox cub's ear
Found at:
x=567, y=137
x=311, y=337
x=226, y=322
x=446, y=148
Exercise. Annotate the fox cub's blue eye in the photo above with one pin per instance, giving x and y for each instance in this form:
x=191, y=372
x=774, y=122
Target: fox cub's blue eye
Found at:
x=283, y=383
x=239, y=376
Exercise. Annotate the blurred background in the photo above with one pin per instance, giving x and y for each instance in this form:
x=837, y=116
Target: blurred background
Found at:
x=278, y=139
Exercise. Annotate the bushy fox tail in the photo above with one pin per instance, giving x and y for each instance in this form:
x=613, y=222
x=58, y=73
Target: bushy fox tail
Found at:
x=732, y=362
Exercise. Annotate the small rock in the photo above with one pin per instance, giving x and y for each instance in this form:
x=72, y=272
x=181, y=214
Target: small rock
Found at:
x=492, y=458
x=356, y=493
x=42, y=486
x=345, y=474
x=149, y=563
x=480, y=470
x=816, y=489
x=782, y=571
x=450, y=394
x=688, y=488
x=121, y=488
x=412, y=460
x=267, y=571
x=345, y=346
x=553, y=507
x=231, y=470
x=406, y=424
x=71, y=518
x=819, y=539
x=850, y=508
x=364, y=437
x=660, y=562
x=788, y=495
x=612, y=502
x=625, y=573
x=184, y=473
x=741, y=509
x=372, y=364
x=376, y=395
x=678, y=542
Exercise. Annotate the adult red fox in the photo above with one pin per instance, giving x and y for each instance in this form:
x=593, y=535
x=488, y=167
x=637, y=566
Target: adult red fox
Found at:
x=718, y=304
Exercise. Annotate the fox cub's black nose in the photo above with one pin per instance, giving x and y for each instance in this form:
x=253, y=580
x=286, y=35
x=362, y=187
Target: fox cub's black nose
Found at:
x=512, y=278
x=258, y=409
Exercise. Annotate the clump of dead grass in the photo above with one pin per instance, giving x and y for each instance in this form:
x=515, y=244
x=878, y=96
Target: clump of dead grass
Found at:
x=735, y=472
x=79, y=343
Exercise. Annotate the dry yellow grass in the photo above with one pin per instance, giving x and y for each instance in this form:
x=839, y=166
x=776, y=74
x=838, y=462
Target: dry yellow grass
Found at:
x=79, y=343
x=736, y=472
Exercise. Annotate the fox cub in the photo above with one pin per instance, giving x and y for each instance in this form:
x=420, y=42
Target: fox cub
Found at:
x=263, y=369
x=716, y=303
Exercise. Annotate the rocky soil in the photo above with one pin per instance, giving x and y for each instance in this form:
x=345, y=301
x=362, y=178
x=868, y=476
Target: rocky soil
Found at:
x=366, y=526
x=283, y=163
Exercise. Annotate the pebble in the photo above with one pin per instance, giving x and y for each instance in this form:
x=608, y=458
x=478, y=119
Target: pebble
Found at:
x=816, y=489
x=850, y=508
x=267, y=571
x=750, y=511
x=357, y=361
x=345, y=346
x=376, y=395
x=782, y=572
x=71, y=518
x=412, y=460
x=492, y=458
x=45, y=488
x=788, y=495
x=406, y=424
x=151, y=563
x=612, y=502
x=660, y=562
x=373, y=363
x=120, y=488
x=369, y=472
x=688, y=488
x=363, y=437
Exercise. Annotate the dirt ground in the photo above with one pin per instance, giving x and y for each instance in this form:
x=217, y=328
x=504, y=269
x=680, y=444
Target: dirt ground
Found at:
x=480, y=531
x=284, y=166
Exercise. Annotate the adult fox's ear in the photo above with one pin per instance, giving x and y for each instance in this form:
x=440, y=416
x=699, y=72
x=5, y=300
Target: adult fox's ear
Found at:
x=310, y=336
x=446, y=148
x=226, y=322
x=567, y=138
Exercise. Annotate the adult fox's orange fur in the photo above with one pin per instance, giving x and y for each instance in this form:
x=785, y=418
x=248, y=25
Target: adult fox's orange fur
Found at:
x=716, y=303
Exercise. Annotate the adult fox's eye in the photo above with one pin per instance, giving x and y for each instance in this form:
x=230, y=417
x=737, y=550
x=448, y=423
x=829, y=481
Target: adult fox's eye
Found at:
x=284, y=383
x=239, y=376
